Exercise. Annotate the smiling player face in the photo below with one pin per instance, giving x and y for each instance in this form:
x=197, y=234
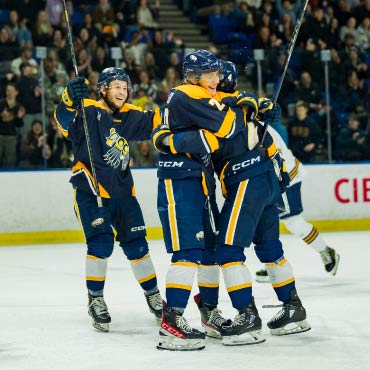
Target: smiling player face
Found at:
x=209, y=81
x=116, y=94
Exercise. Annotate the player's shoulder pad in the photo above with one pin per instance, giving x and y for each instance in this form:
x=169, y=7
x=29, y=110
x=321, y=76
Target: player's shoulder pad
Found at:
x=127, y=107
x=193, y=91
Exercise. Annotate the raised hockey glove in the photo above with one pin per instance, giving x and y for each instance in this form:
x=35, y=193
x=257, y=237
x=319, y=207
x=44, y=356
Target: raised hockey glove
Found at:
x=249, y=103
x=281, y=172
x=76, y=89
x=268, y=112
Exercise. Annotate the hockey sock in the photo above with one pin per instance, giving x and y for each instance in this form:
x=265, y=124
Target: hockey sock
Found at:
x=96, y=270
x=208, y=283
x=281, y=276
x=238, y=283
x=179, y=282
x=144, y=273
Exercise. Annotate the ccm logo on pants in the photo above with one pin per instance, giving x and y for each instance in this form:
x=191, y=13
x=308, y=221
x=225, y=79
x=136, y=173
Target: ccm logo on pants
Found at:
x=138, y=228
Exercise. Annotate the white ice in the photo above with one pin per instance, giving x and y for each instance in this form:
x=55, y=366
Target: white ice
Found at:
x=45, y=326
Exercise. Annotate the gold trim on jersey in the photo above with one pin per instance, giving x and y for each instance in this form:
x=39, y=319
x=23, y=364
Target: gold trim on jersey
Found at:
x=294, y=172
x=283, y=283
x=230, y=232
x=179, y=286
x=311, y=236
x=194, y=91
x=227, y=125
x=172, y=215
x=238, y=287
x=221, y=178
x=78, y=168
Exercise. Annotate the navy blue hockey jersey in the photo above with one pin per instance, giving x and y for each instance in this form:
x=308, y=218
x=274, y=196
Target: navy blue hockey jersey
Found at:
x=109, y=135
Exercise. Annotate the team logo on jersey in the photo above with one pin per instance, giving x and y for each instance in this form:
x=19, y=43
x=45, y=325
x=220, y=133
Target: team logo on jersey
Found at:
x=193, y=58
x=118, y=152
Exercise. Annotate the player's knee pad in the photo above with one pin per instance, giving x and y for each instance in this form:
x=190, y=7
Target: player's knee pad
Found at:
x=100, y=245
x=135, y=249
x=269, y=250
x=297, y=225
x=229, y=253
x=188, y=255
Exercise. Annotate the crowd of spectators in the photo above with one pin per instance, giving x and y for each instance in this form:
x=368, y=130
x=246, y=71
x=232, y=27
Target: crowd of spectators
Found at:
x=153, y=57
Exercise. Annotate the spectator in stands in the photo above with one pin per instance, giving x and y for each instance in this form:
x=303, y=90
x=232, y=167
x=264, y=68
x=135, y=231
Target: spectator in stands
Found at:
x=287, y=6
x=140, y=42
x=349, y=28
x=29, y=96
x=8, y=47
x=342, y=12
x=84, y=63
x=175, y=61
x=57, y=87
x=171, y=80
x=126, y=8
x=363, y=35
x=244, y=18
x=25, y=57
x=28, y=10
x=216, y=7
x=145, y=155
x=310, y=92
x=315, y=26
x=19, y=29
x=54, y=10
x=102, y=14
x=145, y=84
x=32, y=147
x=43, y=30
x=311, y=60
x=100, y=60
x=129, y=65
x=332, y=36
x=351, y=142
x=150, y=65
x=304, y=134
x=146, y=16
x=362, y=11
x=59, y=44
x=11, y=118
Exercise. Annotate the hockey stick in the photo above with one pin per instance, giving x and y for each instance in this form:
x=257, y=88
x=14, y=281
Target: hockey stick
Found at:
x=100, y=220
x=280, y=80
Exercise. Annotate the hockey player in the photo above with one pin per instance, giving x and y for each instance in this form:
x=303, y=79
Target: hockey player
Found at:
x=185, y=190
x=294, y=220
x=252, y=215
x=111, y=123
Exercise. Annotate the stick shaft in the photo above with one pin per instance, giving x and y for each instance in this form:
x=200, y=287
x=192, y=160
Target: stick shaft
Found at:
x=84, y=119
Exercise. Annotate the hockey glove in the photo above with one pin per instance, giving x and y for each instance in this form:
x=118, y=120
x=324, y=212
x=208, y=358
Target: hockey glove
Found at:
x=249, y=103
x=268, y=112
x=76, y=90
x=161, y=139
x=281, y=172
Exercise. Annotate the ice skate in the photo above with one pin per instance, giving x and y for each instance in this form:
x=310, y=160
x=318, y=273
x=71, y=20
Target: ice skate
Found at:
x=262, y=276
x=175, y=334
x=98, y=311
x=330, y=259
x=155, y=304
x=211, y=318
x=245, y=329
x=291, y=319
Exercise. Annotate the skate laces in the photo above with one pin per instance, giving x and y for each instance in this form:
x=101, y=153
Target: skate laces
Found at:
x=215, y=317
x=183, y=324
x=99, y=306
x=155, y=301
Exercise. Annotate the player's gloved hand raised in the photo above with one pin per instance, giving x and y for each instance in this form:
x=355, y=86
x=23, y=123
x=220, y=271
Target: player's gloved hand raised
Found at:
x=76, y=89
x=268, y=112
x=249, y=103
x=281, y=172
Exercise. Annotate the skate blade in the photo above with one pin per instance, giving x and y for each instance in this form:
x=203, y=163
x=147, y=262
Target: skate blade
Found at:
x=100, y=327
x=171, y=343
x=335, y=268
x=252, y=337
x=262, y=279
x=211, y=332
x=292, y=328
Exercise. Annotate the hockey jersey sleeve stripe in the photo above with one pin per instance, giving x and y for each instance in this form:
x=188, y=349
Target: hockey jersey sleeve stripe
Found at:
x=78, y=168
x=156, y=118
x=294, y=172
x=210, y=141
x=227, y=126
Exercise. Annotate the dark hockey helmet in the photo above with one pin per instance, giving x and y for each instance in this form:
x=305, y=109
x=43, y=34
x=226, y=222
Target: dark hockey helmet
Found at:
x=113, y=74
x=198, y=62
x=229, y=79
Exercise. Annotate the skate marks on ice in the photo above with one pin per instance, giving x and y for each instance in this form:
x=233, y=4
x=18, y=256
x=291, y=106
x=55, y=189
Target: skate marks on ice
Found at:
x=45, y=325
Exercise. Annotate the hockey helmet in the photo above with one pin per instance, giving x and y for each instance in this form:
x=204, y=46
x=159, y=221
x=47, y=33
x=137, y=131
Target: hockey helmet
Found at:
x=229, y=79
x=198, y=62
x=113, y=74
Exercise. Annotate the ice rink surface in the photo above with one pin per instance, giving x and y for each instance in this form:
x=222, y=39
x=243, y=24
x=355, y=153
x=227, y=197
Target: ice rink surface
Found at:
x=45, y=326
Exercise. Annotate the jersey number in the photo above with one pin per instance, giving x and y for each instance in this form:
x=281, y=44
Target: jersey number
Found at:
x=215, y=103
